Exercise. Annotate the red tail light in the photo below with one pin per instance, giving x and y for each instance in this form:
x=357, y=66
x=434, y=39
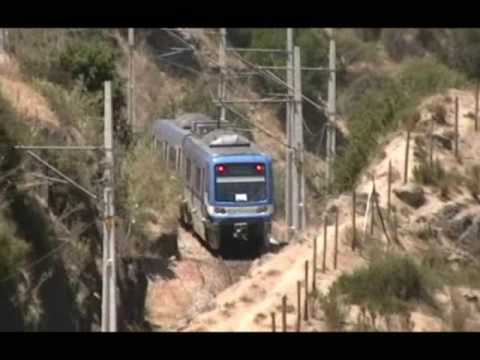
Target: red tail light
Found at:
x=221, y=169
x=260, y=168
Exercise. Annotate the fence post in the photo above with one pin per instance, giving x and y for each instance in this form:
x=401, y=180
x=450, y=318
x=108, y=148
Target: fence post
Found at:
x=324, y=263
x=432, y=144
x=305, y=311
x=284, y=313
x=314, y=265
x=407, y=149
x=299, y=304
x=354, y=225
x=456, y=127
x=274, y=327
x=477, y=90
x=389, y=189
x=372, y=216
x=335, y=255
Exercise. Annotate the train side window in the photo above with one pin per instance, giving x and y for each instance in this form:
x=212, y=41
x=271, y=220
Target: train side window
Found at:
x=198, y=180
x=188, y=170
x=165, y=151
x=172, y=157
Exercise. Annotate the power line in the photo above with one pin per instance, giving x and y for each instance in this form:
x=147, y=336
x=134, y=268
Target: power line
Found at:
x=213, y=98
x=43, y=257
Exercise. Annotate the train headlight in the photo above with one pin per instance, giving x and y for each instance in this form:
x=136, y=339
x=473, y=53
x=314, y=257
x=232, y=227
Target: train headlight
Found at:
x=212, y=210
x=265, y=209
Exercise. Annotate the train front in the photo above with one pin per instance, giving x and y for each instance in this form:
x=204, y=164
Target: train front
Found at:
x=240, y=204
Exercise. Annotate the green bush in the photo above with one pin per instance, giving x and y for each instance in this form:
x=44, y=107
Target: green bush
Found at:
x=13, y=250
x=426, y=76
x=383, y=108
x=464, y=51
x=92, y=62
x=389, y=285
x=401, y=43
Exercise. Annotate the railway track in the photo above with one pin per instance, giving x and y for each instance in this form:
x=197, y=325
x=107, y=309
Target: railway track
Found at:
x=191, y=247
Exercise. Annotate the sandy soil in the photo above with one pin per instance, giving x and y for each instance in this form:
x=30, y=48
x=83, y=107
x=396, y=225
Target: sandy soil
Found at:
x=246, y=306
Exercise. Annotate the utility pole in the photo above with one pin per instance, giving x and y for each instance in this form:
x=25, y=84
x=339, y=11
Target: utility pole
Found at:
x=109, y=299
x=131, y=80
x=3, y=41
x=298, y=176
x=294, y=178
x=222, y=83
x=289, y=122
x=109, y=279
x=331, y=130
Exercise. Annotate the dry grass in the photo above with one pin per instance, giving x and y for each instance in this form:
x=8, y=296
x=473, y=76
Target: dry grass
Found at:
x=459, y=313
x=334, y=310
x=153, y=190
x=25, y=99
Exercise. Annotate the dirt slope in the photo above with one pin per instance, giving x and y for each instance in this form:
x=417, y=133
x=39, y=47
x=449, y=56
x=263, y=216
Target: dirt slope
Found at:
x=26, y=100
x=247, y=305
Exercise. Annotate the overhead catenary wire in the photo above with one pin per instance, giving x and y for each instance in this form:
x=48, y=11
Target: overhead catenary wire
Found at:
x=44, y=257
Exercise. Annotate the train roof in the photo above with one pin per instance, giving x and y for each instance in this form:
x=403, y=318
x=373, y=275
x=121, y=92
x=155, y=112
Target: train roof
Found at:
x=217, y=142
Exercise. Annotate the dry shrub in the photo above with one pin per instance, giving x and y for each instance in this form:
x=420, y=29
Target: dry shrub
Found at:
x=459, y=313
x=438, y=113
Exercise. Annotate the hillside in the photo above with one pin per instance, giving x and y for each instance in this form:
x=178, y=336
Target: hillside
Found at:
x=51, y=93
x=446, y=225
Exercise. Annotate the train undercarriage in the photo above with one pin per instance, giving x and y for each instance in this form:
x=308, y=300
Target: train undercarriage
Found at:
x=231, y=239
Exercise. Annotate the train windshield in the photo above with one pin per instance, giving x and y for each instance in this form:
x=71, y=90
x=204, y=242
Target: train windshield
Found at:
x=240, y=183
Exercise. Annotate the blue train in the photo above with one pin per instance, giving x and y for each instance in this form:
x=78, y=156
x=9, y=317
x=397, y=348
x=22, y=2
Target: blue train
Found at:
x=227, y=182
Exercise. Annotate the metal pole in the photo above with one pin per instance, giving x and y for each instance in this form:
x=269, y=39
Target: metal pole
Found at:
x=288, y=121
x=331, y=133
x=222, y=64
x=109, y=303
x=131, y=82
x=299, y=179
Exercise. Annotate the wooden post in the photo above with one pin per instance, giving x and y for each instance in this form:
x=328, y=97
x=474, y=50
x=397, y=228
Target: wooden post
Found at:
x=380, y=216
x=395, y=227
x=284, y=313
x=389, y=189
x=374, y=194
x=432, y=144
x=456, y=127
x=477, y=88
x=407, y=149
x=335, y=255
x=372, y=212
x=274, y=327
x=305, y=311
x=314, y=265
x=299, y=305
x=354, y=225
x=324, y=263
